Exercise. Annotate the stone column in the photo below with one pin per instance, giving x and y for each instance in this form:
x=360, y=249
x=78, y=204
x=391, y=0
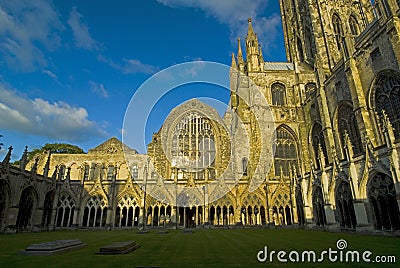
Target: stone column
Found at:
x=173, y=214
x=75, y=219
x=196, y=216
x=141, y=214
x=184, y=217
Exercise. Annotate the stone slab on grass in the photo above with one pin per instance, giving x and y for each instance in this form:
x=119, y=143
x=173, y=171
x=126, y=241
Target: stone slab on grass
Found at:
x=119, y=248
x=53, y=247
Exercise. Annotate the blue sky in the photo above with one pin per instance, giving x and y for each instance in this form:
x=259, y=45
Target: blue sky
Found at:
x=68, y=69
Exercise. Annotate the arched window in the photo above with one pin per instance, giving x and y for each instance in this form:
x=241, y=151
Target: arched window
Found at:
x=47, y=209
x=317, y=141
x=65, y=211
x=95, y=213
x=347, y=123
x=127, y=212
x=387, y=97
x=381, y=195
x=354, y=28
x=244, y=165
x=86, y=172
x=26, y=208
x=344, y=205
x=135, y=171
x=111, y=173
x=193, y=146
x=285, y=153
x=338, y=31
x=278, y=94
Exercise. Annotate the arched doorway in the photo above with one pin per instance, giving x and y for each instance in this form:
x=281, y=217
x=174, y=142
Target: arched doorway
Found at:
x=382, y=197
x=47, y=209
x=344, y=205
x=27, y=203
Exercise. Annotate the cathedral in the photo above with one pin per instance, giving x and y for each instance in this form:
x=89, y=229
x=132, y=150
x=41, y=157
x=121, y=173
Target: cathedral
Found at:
x=312, y=142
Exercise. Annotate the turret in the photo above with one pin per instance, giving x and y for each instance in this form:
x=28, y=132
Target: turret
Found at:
x=240, y=57
x=24, y=159
x=252, y=49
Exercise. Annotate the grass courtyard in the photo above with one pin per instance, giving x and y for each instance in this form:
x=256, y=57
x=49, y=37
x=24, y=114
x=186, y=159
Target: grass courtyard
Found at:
x=202, y=248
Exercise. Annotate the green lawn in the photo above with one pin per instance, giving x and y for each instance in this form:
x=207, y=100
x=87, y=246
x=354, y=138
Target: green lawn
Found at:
x=203, y=248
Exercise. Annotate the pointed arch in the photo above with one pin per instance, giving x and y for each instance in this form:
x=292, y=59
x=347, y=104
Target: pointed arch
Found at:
x=126, y=211
x=347, y=123
x=344, y=204
x=75, y=172
x=47, y=208
x=381, y=195
x=385, y=96
x=286, y=148
x=95, y=211
x=338, y=31
x=317, y=140
x=278, y=93
x=65, y=210
x=354, y=26
x=123, y=172
x=227, y=200
x=26, y=207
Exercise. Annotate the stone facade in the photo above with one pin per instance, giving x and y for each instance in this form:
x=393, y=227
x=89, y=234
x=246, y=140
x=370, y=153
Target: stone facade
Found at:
x=313, y=141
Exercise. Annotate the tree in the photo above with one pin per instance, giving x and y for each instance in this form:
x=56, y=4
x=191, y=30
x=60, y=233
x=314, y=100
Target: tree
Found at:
x=59, y=148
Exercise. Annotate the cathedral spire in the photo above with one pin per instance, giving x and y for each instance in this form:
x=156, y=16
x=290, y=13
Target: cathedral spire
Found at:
x=240, y=53
x=250, y=31
x=240, y=57
x=233, y=63
x=261, y=58
x=252, y=49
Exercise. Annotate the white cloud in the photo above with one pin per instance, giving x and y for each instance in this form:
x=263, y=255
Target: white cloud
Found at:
x=39, y=117
x=24, y=27
x=130, y=66
x=136, y=66
x=235, y=13
x=80, y=31
x=98, y=89
x=197, y=65
x=50, y=74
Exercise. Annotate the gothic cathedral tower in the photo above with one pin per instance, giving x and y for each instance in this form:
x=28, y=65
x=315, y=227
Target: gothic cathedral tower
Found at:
x=319, y=33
